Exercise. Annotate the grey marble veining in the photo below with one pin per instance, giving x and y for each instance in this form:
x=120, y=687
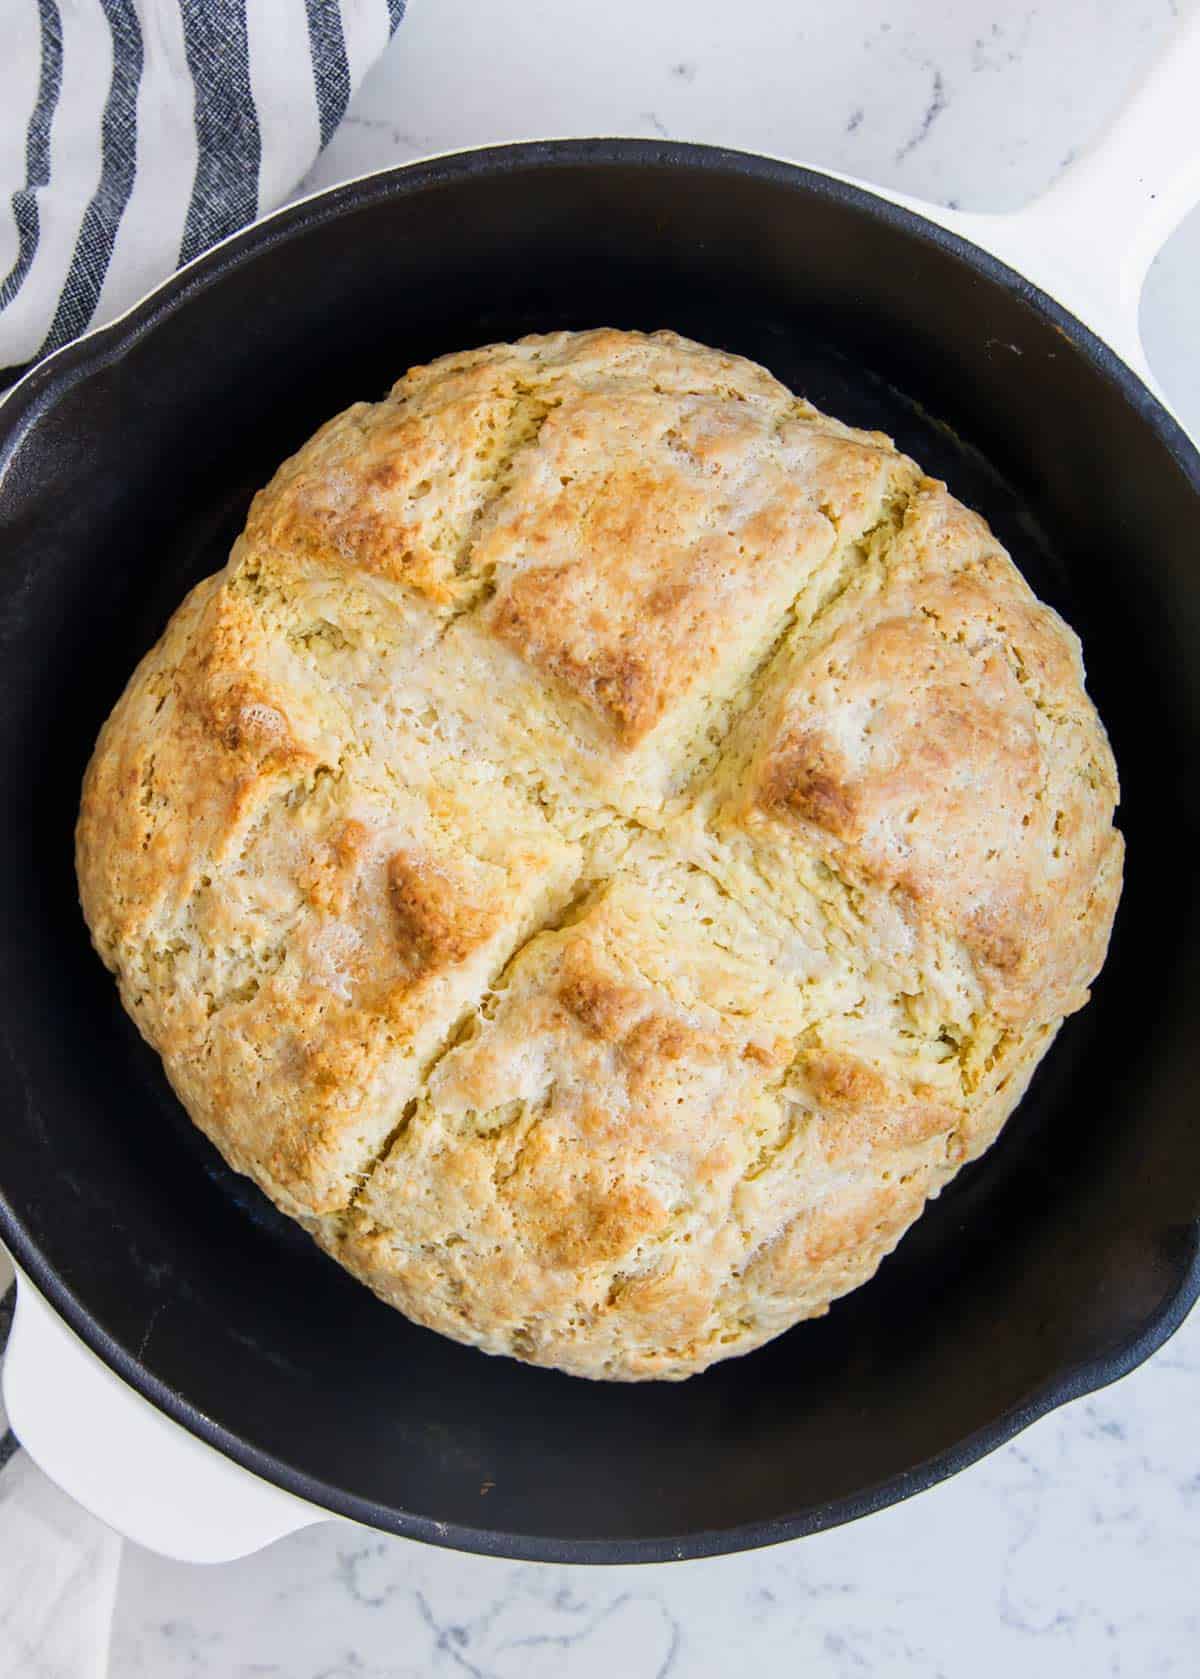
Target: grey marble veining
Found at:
x=979, y=105
x=1076, y=1549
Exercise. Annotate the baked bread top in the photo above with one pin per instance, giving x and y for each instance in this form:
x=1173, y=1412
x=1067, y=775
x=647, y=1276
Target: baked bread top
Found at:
x=605, y=850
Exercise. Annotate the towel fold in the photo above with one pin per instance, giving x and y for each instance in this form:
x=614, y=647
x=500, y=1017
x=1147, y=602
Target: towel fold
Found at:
x=136, y=133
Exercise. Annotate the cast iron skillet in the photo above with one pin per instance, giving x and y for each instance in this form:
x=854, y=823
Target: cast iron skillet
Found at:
x=1054, y=1265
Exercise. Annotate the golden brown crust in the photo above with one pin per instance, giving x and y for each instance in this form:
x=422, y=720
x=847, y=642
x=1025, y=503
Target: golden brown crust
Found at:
x=609, y=846
x=936, y=741
x=439, y=924
x=648, y=542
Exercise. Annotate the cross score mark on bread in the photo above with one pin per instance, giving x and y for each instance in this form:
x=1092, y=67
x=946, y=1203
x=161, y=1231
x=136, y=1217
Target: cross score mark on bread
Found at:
x=609, y=846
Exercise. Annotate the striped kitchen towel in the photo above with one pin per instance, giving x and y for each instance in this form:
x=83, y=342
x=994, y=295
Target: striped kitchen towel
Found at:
x=136, y=133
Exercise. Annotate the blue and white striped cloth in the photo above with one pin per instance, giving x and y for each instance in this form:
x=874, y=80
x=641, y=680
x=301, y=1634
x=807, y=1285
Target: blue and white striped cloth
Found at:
x=136, y=133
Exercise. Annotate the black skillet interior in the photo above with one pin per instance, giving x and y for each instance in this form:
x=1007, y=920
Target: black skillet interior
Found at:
x=1055, y=1264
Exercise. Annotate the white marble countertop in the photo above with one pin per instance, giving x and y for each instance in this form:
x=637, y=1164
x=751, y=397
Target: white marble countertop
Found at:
x=1074, y=1550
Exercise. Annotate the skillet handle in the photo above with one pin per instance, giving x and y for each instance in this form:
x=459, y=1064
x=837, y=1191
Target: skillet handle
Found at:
x=1090, y=239
x=126, y=1462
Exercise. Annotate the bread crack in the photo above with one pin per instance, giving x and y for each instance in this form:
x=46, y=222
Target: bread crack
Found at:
x=850, y=558
x=565, y=914
x=527, y=853
x=534, y=409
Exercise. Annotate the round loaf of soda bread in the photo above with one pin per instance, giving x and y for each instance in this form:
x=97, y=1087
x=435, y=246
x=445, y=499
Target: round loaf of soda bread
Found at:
x=607, y=848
